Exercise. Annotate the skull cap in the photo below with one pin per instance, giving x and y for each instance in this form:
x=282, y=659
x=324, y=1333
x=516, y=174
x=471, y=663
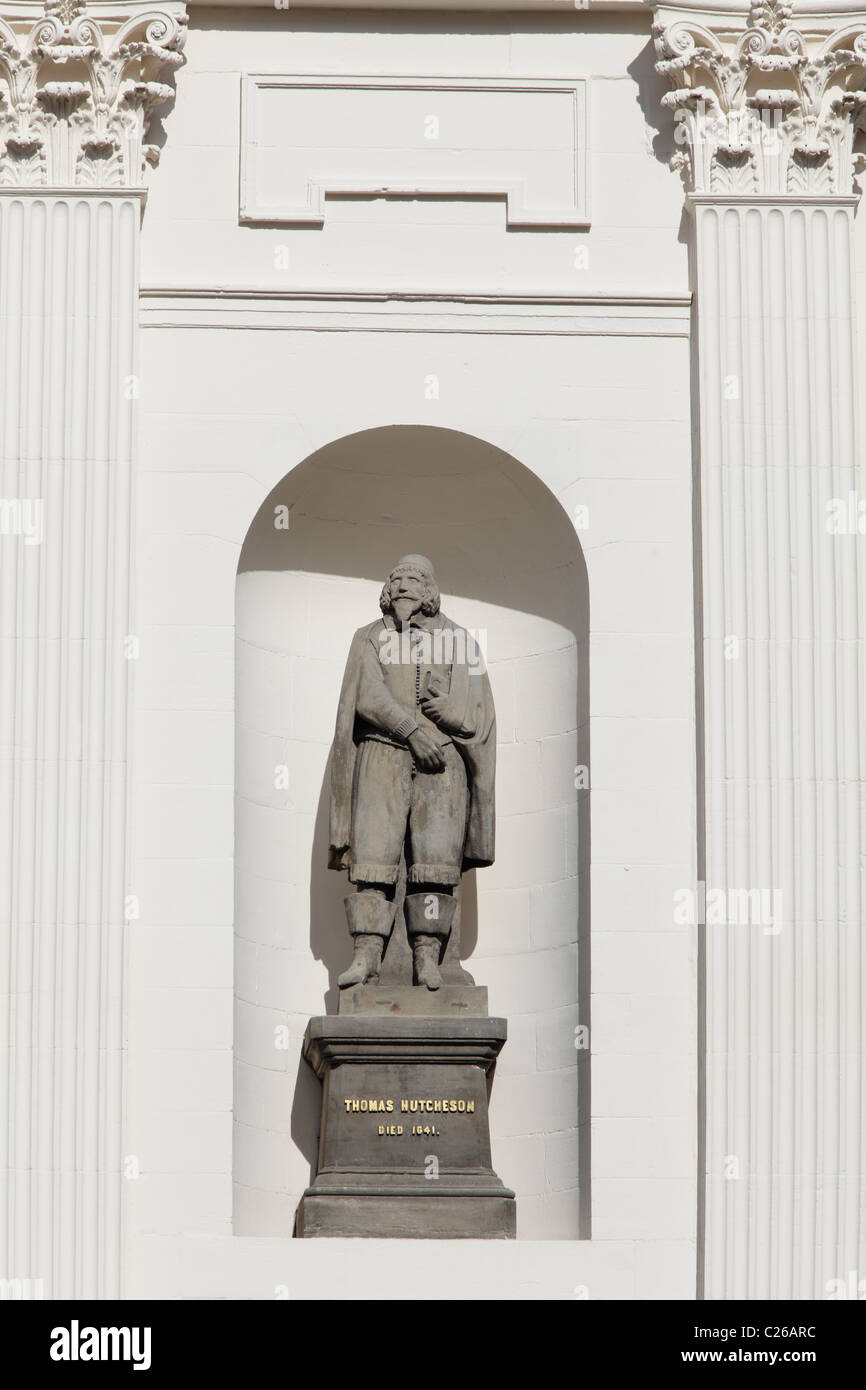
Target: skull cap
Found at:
x=414, y=562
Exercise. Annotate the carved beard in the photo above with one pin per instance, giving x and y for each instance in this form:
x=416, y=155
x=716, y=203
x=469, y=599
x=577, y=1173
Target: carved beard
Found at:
x=404, y=608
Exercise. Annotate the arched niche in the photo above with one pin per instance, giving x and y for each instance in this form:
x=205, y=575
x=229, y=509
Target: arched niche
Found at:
x=509, y=563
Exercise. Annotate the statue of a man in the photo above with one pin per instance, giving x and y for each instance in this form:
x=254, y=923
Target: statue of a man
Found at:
x=413, y=767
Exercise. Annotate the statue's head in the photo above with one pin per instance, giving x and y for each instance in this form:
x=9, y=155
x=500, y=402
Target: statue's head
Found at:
x=410, y=588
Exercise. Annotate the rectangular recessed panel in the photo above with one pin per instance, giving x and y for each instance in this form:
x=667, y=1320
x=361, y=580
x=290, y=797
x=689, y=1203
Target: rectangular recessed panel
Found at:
x=520, y=139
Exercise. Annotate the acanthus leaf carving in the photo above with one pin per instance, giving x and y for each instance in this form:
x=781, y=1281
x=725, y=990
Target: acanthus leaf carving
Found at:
x=77, y=94
x=772, y=108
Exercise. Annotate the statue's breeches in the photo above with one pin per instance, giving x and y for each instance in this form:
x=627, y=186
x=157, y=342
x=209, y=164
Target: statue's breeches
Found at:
x=393, y=804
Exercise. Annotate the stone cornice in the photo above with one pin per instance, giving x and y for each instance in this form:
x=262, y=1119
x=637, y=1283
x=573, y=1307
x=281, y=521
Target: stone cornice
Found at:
x=765, y=102
x=506, y=6
x=78, y=87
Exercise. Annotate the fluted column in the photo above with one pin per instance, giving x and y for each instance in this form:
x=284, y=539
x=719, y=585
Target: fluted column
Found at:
x=766, y=112
x=72, y=157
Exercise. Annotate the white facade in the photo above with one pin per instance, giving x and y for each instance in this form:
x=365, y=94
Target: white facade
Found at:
x=424, y=277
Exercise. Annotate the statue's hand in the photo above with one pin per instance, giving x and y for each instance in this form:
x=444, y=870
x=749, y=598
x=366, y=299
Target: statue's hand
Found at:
x=435, y=707
x=434, y=702
x=427, y=754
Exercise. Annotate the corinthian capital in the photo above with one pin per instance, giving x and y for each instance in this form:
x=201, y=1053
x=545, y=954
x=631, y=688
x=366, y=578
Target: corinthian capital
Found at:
x=78, y=87
x=765, y=100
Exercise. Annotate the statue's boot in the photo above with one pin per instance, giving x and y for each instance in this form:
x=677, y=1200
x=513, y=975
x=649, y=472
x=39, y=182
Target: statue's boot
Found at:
x=425, y=955
x=370, y=916
x=365, y=962
x=428, y=924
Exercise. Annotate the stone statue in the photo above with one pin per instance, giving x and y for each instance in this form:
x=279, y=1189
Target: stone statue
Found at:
x=412, y=770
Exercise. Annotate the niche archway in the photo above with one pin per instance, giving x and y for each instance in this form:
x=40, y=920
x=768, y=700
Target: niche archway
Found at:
x=508, y=561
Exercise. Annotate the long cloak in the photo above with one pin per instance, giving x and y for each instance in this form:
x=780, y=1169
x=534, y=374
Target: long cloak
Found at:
x=472, y=701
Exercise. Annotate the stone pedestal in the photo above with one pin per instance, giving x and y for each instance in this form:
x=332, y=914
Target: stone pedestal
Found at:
x=404, y=1146
x=452, y=1001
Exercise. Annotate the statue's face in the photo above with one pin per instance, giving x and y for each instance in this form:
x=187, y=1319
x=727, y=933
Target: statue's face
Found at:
x=407, y=594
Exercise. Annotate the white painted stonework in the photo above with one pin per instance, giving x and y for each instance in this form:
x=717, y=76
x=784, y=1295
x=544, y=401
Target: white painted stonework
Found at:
x=527, y=140
x=569, y=300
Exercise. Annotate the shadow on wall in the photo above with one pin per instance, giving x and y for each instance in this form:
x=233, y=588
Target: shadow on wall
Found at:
x=510, y=565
